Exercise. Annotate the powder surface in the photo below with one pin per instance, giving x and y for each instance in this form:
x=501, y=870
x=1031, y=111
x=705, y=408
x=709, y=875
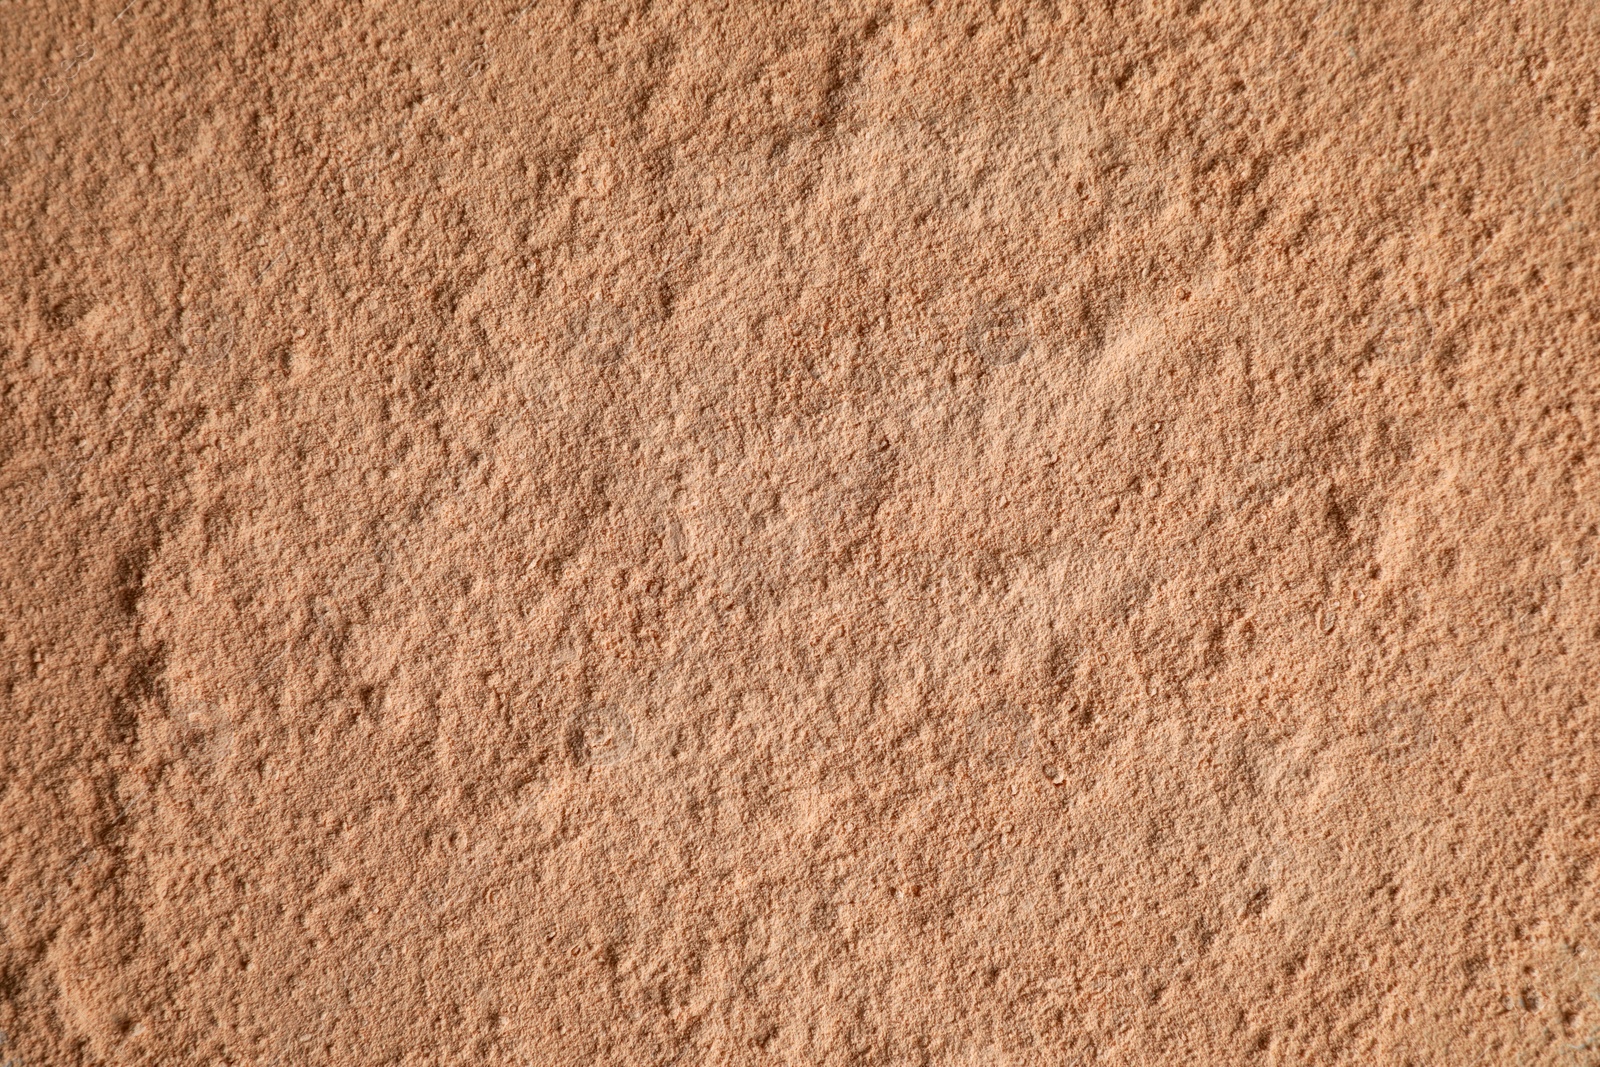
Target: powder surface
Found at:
x=799, y=534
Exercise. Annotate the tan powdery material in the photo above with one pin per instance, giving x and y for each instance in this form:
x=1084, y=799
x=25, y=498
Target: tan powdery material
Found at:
x=898, y=534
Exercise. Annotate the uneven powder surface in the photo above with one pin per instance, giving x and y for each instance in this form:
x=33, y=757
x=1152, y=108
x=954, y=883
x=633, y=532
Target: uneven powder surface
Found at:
x=896, y=534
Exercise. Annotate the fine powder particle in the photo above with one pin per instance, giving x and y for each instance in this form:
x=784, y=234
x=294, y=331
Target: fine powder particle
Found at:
x=804, y=534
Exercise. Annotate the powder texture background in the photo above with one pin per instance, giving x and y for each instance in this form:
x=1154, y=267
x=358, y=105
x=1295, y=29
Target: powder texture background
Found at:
x=606, y=533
